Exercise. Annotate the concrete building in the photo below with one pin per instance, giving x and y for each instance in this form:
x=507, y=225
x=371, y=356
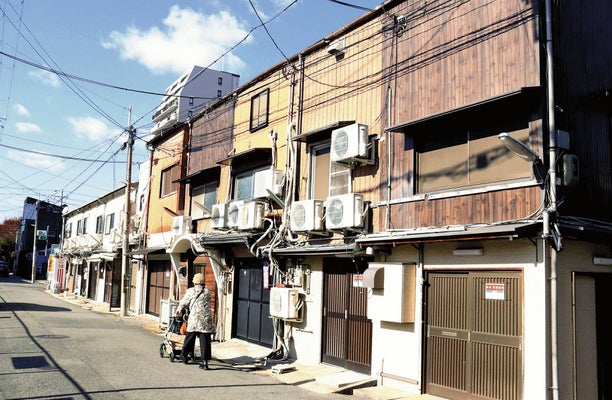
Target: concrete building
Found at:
x=190, y=93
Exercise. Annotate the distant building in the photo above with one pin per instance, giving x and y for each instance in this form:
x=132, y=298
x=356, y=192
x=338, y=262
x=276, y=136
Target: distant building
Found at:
x=42, y=220
x=191, y=93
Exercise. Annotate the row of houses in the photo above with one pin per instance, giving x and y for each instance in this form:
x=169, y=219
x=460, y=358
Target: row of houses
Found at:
x=422, y=196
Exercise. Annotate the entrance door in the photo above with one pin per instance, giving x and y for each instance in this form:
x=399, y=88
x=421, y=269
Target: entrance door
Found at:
x=474, y=335
x=158, y=285
x=347, y=331
x=252, y=315
x=592, y=295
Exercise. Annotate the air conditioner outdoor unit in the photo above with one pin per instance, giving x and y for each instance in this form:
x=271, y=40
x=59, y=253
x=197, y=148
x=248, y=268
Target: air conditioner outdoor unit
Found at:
x=181, y=225
x=349, y=143
x=267, y=179
x=307, y=216
x=336, y=47
x=284, y=302
x=218, y=216
x=250, y=216
x=344, y=211
x=233, y=209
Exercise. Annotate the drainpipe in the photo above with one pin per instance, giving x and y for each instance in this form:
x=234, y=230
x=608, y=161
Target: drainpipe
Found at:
x=552, y=206
x=389, y=161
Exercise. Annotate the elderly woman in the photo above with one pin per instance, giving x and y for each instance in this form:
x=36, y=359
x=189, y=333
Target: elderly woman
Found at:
x=200, y=322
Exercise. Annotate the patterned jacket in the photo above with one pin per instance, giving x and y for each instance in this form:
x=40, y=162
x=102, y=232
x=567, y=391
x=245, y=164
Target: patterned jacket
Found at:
x=197, y=300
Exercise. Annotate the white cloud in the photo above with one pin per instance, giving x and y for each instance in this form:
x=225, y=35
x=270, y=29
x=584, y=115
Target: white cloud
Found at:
x=38, y=161
x=92, y=128
x=47, y=78
x=21, y=110
x=27, y=127
x=189, y=38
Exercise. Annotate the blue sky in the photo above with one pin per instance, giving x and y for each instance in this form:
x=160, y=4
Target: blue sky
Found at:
x=61, y=133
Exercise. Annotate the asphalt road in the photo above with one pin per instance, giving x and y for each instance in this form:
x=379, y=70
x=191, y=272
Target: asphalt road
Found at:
x=52, y=349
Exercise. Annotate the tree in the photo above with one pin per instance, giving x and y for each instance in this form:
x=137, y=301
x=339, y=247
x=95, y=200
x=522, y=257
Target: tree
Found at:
x=8, y=234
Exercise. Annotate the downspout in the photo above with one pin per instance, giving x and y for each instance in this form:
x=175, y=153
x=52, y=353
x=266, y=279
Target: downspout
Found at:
x=552, y=206
x=389, y=161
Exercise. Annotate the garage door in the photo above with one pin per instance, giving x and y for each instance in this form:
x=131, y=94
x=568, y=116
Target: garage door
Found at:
x=474, y=335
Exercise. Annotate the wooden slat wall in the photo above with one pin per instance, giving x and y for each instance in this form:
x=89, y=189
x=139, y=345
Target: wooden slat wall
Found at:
x=211, y=137
x=456, y=52
x=487, y=207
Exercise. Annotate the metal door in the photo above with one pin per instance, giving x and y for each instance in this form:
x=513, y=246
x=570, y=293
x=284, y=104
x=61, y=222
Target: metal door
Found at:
x=252, y=315
x=347, y=331
x=474, y=335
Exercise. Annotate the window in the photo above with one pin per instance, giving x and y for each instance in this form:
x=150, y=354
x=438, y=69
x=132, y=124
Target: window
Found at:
x=99, y=224
x=191, y=101
x=84, y=225
x=327, y=178
x=110, y=223
x=168, y=178
x=467, y=157
x=219, y=93
x=259, y=110
x=68, y=232
x=203, y=198
x=243, y=188
x=220, y=80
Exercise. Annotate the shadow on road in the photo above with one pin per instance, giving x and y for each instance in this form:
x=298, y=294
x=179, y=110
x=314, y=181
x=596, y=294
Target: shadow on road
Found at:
x=31, y=307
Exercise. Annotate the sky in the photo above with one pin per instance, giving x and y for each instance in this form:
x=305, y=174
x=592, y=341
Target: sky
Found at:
x=74, y=74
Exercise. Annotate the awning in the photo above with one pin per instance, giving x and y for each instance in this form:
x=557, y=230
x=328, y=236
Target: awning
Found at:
x=320, y=250
x=147, y=250
x=255, y=154
x=320, y=133
x=201, y=175
x=518, y=100
x=102, y=257
x=509, y=230
x=225, y=239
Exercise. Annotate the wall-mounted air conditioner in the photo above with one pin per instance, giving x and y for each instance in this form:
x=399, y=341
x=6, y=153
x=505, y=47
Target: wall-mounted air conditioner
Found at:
x=344, y=211
x=181, y=225
x=250, y=216
x=284, y=302
x=233, y=209
x=307, y=216
x=349, y=143
x=218, y=216
x=336, y=47
x=267, y=179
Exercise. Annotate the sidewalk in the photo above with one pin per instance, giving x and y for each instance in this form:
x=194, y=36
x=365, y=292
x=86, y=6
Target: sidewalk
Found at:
x=252, y=358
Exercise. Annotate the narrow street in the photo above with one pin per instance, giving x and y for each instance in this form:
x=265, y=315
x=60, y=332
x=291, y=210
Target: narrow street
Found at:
x=52, y=349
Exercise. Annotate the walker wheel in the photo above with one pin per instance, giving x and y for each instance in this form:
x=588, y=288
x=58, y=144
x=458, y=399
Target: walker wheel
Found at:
x=172, y=356
x=162, y=350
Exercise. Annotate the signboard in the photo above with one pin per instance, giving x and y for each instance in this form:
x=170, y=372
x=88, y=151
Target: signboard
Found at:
x=41, y=235
x=357, y=280
x=495, y=291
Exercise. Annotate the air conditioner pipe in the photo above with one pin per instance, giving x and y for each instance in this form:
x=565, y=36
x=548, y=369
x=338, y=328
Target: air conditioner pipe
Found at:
x=389, y=161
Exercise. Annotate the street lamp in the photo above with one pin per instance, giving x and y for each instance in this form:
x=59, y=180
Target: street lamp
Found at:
x=517, y=147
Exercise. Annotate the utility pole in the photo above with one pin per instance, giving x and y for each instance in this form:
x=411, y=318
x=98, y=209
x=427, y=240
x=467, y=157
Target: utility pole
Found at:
x=34, y=244
x=125, y=259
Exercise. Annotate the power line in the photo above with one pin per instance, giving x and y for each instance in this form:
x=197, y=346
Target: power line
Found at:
x=59, y=156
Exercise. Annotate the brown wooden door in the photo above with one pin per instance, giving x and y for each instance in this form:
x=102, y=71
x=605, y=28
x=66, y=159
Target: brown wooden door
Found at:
x=158, y=285
x=474, y=335
x=347, y=332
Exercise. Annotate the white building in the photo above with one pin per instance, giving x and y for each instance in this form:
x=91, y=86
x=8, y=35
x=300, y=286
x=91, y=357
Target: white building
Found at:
x=190, y=93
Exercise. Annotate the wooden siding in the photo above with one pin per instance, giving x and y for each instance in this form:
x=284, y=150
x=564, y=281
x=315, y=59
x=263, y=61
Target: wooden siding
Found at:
x=168, y=152
x=453, y=53
x=211, y=137
x=486, y=207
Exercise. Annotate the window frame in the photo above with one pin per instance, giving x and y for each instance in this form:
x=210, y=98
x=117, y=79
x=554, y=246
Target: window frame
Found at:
x=168, y=184
x=260, y=120
x=109, y=223
x=99, y=224
x=199, y=212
